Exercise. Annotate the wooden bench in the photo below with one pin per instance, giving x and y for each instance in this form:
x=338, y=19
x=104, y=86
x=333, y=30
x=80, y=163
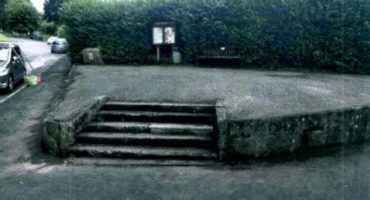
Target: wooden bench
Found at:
x=221, y=55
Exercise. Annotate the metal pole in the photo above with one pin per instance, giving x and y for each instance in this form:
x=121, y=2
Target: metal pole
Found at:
x=158, y=53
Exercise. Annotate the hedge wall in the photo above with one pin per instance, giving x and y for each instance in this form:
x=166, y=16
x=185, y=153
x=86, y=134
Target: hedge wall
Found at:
x=309, y=34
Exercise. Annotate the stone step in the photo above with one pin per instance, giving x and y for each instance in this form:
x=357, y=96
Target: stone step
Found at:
x=145, y=139
x=169, y=107
x=91, y=161
x=155, y=116
x=139, y=127
x=141, y=152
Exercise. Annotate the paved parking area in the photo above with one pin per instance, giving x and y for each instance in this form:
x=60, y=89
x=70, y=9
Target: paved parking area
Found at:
x=245, y=93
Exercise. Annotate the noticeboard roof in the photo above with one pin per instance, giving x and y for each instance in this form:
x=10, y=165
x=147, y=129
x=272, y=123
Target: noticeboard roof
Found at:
x=161, y=24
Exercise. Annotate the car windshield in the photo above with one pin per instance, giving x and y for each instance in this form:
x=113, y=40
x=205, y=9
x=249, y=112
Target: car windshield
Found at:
x=4, y=54
x=59, y=41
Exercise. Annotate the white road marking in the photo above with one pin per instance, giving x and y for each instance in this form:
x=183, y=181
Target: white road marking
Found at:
x=39, y=62
x=12, y=94
x=53, y=61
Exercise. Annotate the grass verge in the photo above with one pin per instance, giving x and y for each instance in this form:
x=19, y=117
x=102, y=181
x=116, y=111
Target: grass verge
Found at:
x=3, y=38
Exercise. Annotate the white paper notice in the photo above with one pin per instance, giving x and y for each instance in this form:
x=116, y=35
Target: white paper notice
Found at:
x=157, y=35
x=169, y=35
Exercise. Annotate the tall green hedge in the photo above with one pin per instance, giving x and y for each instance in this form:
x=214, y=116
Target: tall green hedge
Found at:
x=309, y=34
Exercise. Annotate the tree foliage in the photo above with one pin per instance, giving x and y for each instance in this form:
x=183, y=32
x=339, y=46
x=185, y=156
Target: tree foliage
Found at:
x=2, y=12
x=2, y=5
x=311, y=34
x=48, y=27
x=20, y=16
x=62, y=31
x=51, y=10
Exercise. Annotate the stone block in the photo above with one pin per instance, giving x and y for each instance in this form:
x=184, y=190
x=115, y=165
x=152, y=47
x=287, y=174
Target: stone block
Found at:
x=92, y=56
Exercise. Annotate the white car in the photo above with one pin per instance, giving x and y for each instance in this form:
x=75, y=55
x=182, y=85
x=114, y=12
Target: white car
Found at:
x=59, y=46
x=52, y=39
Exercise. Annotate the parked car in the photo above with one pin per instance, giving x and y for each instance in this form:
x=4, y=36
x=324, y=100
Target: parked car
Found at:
x=59, y=46
x=51, y=39
x=12, y=65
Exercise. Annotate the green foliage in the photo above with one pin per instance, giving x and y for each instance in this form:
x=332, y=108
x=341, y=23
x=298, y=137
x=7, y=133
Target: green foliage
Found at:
x=311, y=34
x=3, y=38
x=20, y=16
x=119, y=29
x=48, y=27
x=62, y=31
x=51, y=10
x=2, y=12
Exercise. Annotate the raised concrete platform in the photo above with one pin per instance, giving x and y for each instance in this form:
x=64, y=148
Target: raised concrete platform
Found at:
x=260, y=113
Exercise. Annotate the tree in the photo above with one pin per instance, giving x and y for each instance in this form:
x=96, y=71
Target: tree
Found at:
x=2, y=4
x=21, y=16
x=2, y=7
x=51, y=10
x=48, y=27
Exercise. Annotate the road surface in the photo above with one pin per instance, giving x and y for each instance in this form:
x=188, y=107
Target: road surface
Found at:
x=38, y=60
x=38, y=53
x=21, y=113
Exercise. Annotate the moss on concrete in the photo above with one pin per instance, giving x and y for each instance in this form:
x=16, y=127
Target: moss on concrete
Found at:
x=59, y=134
x=269, y=136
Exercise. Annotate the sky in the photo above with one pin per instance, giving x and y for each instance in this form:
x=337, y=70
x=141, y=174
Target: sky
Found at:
x=39, y=4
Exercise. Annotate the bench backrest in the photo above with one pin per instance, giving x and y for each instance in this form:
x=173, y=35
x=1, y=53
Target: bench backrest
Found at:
x=215, y=51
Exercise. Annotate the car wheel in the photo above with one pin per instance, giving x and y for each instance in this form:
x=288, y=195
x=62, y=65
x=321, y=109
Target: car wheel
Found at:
x=10, y=84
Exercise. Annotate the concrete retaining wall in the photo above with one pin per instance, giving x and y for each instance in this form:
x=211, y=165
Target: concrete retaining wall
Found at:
x=59, y=134
x=241, y=138
x=269, y=136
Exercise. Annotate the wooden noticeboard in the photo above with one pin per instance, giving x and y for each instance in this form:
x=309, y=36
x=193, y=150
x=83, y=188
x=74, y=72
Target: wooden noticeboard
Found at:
x=164, y=33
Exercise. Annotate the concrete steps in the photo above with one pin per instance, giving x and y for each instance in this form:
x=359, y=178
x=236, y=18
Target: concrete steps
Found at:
x=149, y=131
x=144, y=139
x=162, y=107
x=150, y=127
x=94, y=161
x=145, y=116
x=143, y=152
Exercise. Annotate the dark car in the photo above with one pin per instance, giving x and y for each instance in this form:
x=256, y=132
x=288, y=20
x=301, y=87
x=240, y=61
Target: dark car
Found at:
x=12, y=66
x=60, y=45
